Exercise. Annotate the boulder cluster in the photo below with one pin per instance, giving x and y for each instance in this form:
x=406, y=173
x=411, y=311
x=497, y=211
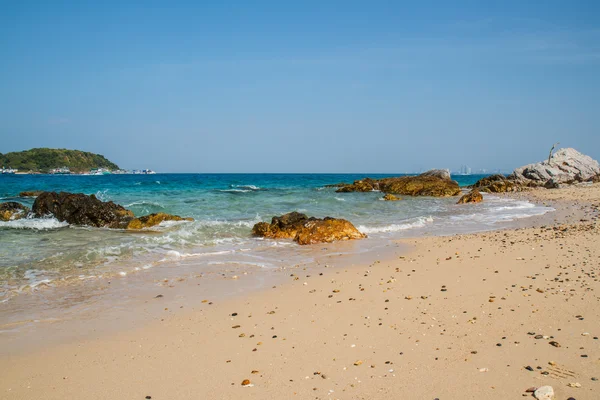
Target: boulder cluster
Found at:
x=83, y=210
x=304, y=230
x=435, y=183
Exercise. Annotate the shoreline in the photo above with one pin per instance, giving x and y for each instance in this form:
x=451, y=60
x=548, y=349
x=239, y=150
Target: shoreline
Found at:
x=310, y=320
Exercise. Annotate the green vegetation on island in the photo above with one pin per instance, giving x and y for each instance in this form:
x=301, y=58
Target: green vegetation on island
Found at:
x=43, y=160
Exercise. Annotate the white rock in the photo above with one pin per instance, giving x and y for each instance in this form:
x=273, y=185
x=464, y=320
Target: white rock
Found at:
x=544, y=393
x=566, y=165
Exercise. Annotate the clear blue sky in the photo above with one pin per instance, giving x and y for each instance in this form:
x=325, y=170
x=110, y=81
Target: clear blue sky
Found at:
x=302, y=86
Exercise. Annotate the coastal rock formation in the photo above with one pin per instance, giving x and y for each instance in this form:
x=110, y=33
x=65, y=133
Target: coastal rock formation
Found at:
x=81, y=209
x=497, y=184
x=566, y=166
x=391, y=197
x=12, y=210
x=151, y=220
x=305, y=230
x=435, y=183
x=32, y=193
x=474, y=196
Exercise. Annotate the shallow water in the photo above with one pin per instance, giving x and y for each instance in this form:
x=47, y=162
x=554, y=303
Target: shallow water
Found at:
x=40, y=253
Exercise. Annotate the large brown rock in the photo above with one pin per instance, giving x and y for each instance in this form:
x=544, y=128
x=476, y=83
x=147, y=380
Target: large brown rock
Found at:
x=151, y=220
x=474, y=196
x=81, y=209
x=282, y=227
x=436, y=183
x=305, y=230
x=497, y=184
x=327, y=230
x=12, y=210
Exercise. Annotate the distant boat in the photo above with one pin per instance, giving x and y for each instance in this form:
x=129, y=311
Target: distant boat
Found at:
x=100, y=171
x=8, y=171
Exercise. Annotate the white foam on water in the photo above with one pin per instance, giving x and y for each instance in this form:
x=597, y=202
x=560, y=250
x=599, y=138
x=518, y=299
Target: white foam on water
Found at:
x=339, y=199
x=34, y=223
x=419, y=223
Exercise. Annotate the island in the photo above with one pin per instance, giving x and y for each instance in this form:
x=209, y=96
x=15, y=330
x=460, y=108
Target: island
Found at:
x=45, y=160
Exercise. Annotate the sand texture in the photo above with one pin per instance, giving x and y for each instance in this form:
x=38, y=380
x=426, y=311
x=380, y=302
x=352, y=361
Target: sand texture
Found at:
x=480, y=316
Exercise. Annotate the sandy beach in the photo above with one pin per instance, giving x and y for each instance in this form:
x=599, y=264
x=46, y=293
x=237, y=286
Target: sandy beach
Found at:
x=477, y=316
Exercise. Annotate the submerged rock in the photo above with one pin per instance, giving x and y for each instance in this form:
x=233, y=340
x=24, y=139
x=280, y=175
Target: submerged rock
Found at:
x=81, y=209
x=12, y=210
x=497, y=184
x=472, y=197
x=435, y=183
x=305, y=230
x=151, y=220
x=31, y=193
x=391, y=197
x=566, y=166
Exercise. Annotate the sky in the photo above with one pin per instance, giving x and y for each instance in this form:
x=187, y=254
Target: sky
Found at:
x=302, y=86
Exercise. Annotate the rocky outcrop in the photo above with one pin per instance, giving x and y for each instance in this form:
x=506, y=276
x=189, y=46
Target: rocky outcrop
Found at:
x=327, y=230
x=391, y=197
x=497, y=184
x=305, y=230
x=32, y=193
x=474, y=196
x=566, y=166
x=81, y=209
x=435, y=183
x=12, y=210
x=151, y=220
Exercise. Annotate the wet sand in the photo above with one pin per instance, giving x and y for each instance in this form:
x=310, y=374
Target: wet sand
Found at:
x=484, y=315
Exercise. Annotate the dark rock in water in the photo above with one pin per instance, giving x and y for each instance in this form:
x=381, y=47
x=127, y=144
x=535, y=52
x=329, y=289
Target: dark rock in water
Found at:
x=153, y=220
x=304, y=230
x=435, y=183
x=472, y=197
x=566, y=166
x=12, y=210
x=497, y=184
x=391, y=197
x=81, y=209
x=32, y=193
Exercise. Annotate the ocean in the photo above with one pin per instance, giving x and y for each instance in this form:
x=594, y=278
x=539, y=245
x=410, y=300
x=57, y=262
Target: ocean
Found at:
x=39, y=254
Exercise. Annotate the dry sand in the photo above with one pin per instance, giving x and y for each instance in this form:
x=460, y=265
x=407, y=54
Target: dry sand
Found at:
x=456, y=317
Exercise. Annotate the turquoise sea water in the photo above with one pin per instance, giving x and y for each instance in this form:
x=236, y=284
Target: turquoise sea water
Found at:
x=38, y=253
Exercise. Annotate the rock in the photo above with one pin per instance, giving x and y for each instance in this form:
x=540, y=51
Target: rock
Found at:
x=153, y=220
x=497, y=184
x=435, y=183
x=283, y=227
x=391, y=197
x=81, y=209
x=304, y=230
x=544, y=393
x=472, y=197
x=566, y=166
x=326, y=231
x=32, y=193
x=246, y=382
x=438, y=173
x=12, y=210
